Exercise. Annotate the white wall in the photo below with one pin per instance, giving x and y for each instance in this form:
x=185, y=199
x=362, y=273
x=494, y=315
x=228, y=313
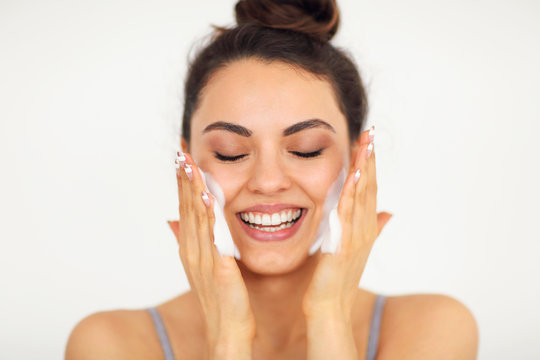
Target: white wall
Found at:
x=90, y=107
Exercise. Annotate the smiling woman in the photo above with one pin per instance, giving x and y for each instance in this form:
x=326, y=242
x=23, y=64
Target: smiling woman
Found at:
x=273, y=113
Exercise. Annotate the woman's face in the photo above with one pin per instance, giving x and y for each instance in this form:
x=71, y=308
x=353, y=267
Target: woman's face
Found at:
x=247, y=133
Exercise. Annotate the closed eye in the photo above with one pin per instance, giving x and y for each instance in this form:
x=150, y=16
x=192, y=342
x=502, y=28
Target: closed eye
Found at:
x=307, y=155
x=297, y=153
x=228, y=158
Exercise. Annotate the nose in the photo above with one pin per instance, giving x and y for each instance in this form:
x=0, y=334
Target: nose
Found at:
x=269, y=176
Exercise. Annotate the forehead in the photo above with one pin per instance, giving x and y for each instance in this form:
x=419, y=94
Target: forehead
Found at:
x=266, y=97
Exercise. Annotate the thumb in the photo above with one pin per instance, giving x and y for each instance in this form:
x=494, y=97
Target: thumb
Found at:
x=382, y=220
x=175, y=227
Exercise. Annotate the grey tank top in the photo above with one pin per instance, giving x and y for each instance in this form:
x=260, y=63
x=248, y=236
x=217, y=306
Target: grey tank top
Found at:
x=373, y=341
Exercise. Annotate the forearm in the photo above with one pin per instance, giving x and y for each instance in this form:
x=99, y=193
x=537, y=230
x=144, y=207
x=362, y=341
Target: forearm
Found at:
x=330, y=337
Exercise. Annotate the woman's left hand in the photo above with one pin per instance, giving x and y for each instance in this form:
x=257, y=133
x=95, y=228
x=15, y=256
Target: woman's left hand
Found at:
x=330, y=297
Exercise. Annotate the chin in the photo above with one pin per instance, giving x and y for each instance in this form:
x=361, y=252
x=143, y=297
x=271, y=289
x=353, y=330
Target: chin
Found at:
x=264, y=262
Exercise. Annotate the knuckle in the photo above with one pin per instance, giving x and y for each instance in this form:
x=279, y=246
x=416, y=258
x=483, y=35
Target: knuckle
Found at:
x=200, y=215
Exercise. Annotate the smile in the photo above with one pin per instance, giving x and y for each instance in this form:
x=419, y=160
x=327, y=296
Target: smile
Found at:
x=271, y=226
x=271, y=222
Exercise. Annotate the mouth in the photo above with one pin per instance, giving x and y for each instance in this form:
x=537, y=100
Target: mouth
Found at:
x=275, y=226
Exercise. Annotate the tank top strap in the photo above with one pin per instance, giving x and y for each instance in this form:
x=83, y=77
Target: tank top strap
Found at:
x=162, y=333
x=375, y=327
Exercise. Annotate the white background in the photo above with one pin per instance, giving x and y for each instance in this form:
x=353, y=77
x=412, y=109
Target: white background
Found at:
x=90, y=108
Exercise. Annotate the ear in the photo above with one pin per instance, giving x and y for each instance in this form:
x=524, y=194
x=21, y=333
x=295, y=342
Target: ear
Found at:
x=382, y=220
x=175, y=227
x=185, y=146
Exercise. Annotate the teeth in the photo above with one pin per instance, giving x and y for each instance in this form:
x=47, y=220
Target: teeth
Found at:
x=274, y=219
x=271, y=229
x=266, y=220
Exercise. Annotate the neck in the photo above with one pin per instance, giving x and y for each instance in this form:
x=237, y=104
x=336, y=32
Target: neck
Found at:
x=276, y=302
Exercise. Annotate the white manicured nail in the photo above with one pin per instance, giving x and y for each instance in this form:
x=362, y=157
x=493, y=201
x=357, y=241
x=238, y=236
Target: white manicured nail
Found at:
x=369, y=150
x=180, y=159
x=189, y=172
x=205, y=198
x=371, y=133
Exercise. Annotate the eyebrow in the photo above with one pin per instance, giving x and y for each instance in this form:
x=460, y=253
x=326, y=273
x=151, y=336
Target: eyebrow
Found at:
x=222, y=125
x=245, y=132
x=307, y=124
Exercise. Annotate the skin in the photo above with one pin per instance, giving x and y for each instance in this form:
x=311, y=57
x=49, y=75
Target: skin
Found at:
x=237, y=309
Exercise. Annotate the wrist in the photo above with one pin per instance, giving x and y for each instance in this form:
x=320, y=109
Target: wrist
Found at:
x=231, y=344
x=329, y=323
x=328, y=313
x=330, y=337
x=235, y=349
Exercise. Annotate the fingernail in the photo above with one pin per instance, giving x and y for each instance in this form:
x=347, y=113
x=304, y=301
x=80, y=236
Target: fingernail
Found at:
x=356, y=176
x=180, y=159
x=189, y=172
x=205, y=199
x=369, y=150
x=371, y=134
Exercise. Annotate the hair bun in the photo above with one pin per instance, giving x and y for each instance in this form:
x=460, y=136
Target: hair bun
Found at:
x=317, y=18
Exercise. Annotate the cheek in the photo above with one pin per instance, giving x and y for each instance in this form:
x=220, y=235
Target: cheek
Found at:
x=317, y=179
x=229, y=179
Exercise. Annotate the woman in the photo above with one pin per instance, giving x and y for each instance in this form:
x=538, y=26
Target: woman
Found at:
x=273, y=112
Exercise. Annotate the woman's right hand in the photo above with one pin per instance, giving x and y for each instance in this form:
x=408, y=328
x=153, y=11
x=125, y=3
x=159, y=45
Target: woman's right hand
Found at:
x=216, y=280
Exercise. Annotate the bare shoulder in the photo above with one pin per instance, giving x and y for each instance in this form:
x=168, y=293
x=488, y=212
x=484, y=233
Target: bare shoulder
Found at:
x=131, y=334
x=427, y=326
x=114, y=334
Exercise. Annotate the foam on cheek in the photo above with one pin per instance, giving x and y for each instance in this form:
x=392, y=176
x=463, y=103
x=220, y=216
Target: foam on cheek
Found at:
x=328, y=235
x=222, y=235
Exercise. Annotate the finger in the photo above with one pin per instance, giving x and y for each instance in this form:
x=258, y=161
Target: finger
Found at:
x=180, y=229
x=371, y=190
x=345, y=211
x=355, y=164
x=359, y=226
x=216, y=256
x=204, y=233
x=346, y=205
x=367, y=136
x=362, y=139
x=210, y=202
x=189, y=241
x=179, y=162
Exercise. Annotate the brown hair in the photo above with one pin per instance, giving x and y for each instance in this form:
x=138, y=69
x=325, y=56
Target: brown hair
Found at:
x=296, y=32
